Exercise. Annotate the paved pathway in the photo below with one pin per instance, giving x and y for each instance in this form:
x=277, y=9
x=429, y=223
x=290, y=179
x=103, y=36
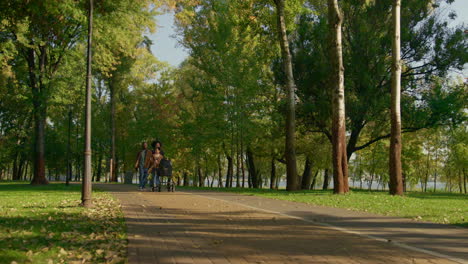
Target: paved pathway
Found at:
x=209, y=227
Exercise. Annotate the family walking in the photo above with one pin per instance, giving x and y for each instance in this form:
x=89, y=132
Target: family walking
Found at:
x=153, y=162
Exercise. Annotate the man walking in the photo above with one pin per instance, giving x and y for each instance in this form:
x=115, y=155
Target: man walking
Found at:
x=143, y=162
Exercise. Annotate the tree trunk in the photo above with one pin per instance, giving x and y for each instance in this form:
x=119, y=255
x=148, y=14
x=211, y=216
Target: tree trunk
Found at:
x=273, y=174
x=252, y=169
x=99, y=167
x=220, y=172
x=326, y=180
x=186, y=181
x=307, y=175
x=112, y=175
x=464, y=179
x=290, y=150
x=242, y=159
x=314, y=180
x=230, y=171
x=69, y=164
x=237, y=163
x=435, y=169
x=15, y=176
x=200, y=177
x=39, y=113
x=340, y=164
x=396, y=179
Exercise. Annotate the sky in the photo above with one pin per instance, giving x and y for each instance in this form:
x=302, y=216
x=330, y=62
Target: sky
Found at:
x=166, y=47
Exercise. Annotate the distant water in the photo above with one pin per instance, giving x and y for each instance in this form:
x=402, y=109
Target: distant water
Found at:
x=282, y=184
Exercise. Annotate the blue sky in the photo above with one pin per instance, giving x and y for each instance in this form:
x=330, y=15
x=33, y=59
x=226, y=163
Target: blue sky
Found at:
x=167, y=49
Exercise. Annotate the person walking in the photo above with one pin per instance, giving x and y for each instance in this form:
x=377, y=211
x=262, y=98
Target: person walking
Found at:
x=158, y=154
x=143, y=163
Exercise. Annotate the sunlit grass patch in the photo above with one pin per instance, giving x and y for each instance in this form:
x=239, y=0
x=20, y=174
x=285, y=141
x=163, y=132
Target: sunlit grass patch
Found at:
x=45, y=224
x=445, y=208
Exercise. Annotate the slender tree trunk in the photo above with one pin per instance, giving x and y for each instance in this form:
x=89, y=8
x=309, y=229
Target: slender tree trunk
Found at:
x=237, y=162
x=435, y=169
x=230, y=171
x=220, y=172
x=396, y=179
x=426, y=179
x=371, y=180
x=112, y=175
x=242, y=160
x=314, y=180
x=340, y=164
x=326, y=180
x=186, y=181
x=86, y=185
x=15, y=176
x=199, y=176
x=273, y=174
x=252, y=170
x=290, y=150
x=464, y=179
x=39, y=112
x=99, y=167
x=307, y=175
x=69, y=164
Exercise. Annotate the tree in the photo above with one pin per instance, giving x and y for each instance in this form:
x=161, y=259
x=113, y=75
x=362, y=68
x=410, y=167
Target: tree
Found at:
x=340, y=161
x=396, y=180
x=43, y=43
x=430, y=48
x=290, y=86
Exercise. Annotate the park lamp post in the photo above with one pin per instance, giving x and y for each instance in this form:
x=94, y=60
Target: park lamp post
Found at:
x=86, y=186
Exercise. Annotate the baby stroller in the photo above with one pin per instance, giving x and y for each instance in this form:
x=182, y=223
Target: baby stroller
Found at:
x=165, y=176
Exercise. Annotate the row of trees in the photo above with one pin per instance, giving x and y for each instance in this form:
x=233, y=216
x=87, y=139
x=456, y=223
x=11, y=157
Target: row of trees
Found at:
x=260, y=74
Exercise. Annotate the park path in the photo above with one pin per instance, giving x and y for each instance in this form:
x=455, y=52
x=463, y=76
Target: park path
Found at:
x=209, y=227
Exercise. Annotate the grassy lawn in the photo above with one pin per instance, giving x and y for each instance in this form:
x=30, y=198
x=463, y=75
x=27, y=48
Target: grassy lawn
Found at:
x=446, y=208
x=45, y=224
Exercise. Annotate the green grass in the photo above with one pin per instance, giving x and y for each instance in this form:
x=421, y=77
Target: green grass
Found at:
x=445, y=208
x=45, y=224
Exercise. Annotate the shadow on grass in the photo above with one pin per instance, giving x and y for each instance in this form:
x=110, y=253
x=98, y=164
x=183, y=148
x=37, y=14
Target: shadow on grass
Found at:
x=49, y=231
x=46, y=227
x=21, y=186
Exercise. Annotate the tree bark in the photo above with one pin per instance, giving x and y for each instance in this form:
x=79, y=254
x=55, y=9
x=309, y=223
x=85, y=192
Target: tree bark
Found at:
x=315, y=180
x=252, y=170
x=199, y=176
x=230, y=171
x=464, y=179
x=99, y=168
x=325, y=180
x=396, y=179
x=238, y=157
x=69, y=164
x=242, y=158
x=112, y=176
x=15, y=176
x=186, y=181
x=290, y=150
x=273, y=174
x=39, y=112
x=220, y=172
x=339, y=157
x=307, y=175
